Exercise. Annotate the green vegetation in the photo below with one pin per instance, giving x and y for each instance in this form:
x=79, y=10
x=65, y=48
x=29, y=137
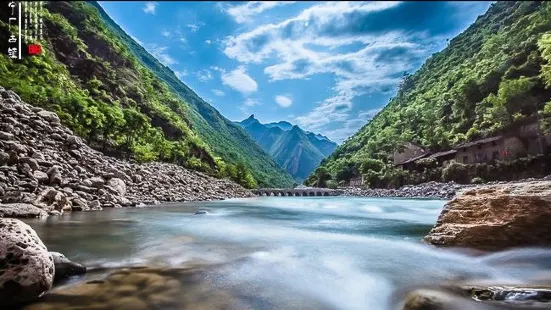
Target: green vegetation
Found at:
x=103, y=93
x=496, y=72
x=226, y=140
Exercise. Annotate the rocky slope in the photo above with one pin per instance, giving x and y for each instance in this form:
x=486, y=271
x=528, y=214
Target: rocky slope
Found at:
x=42, y=163
x=496, y=217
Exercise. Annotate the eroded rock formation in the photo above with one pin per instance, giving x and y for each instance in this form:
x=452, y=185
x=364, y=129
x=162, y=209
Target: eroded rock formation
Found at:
x=496, y=217
x=26, y=266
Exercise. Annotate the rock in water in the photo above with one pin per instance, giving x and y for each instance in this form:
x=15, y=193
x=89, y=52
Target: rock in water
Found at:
x=496, y=217
x=21, y=210
x=426, y=300
x=26, y=266
x=65, y=268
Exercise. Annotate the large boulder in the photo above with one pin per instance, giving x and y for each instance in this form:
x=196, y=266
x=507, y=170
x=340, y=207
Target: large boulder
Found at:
x=117, y=185
x=55, y=175
x=51, y=199
x=21, y=210
x=496, y=217
x=26, y=266
x=49, y=116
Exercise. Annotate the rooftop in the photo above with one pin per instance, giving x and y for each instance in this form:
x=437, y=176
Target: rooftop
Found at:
x=477, y=142
x=443, y=153
x=413, y=159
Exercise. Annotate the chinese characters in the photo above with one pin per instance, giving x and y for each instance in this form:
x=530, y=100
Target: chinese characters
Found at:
x=14, y=46
x=28, y=13
x=33, y=20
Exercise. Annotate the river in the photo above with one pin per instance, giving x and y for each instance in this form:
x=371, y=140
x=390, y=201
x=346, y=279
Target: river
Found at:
x=288, y=252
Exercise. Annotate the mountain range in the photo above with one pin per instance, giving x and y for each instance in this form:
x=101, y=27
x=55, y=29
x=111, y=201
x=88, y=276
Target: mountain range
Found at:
x=493, y=76
x=297, y=151
x=110, y=90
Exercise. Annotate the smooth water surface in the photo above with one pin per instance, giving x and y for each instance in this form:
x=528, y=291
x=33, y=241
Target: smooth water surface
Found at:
x=289, y=252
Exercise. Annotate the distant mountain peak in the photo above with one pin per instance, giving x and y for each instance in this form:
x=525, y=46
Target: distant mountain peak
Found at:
x=295, y=151
x=251, y=117
x=284, y=125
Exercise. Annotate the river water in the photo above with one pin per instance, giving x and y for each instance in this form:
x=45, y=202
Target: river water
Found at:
x=289, y=252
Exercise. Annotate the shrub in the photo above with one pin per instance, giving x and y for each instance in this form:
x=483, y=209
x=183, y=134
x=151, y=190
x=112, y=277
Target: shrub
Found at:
x=455, y=172
x=332, y=184
x=427, y=163
x=372, y=178
x=194, y=163
x=477, y=180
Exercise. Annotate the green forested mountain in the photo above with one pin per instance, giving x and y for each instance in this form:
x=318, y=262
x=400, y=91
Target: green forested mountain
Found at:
x=296, y=151
x=112, y=92
x=225, y=139
x=495, y=73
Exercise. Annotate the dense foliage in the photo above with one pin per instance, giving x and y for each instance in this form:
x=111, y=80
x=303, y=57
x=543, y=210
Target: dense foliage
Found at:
x=496, y=72
x=226, y=139
x=100, y=90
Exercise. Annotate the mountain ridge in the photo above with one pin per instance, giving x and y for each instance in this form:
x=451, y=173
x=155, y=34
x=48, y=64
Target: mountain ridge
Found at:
x=295, y=150
x=111, y=91
x=227, y=140
x=490, y=76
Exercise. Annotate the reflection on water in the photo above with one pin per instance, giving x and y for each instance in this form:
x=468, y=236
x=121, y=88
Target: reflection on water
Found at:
x=285, y=252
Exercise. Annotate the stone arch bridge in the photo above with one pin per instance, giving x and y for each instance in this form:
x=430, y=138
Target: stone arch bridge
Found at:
x=297, y=192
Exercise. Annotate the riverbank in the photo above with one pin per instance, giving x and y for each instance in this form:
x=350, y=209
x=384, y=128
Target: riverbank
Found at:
x=283, y=253
x=431, y=190
x=46, y=169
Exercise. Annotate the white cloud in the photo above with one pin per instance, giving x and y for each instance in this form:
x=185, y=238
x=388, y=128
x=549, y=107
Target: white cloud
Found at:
x=283, y=101
x=209, y=42
x=351, y=126
x=204, y=75
x=249, y=102
x=181, y=74
x=244, y=12
x=218, y=92
x=326, y=38
x=239, y=80
x=165, y=33
x=150, y=7
x=195, y=26
x=161, y=54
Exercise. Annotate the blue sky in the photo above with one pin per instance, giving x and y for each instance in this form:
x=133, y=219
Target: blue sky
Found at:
x=325, y=66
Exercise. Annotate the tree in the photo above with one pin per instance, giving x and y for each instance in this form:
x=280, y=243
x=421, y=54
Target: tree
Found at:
x=375, y=165
x=94, y=120
x=346, y=170
x=114, y=121
x=136, y=124
x=544, y=45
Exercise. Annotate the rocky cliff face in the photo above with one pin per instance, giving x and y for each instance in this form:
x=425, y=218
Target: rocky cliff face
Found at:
x=42, y=163
x=496, y=217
